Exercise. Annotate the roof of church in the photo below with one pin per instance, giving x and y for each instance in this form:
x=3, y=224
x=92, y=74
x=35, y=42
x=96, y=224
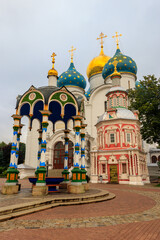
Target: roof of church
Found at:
x=121, y=113
x=116, y=88
x=47, y=91
x=125, y=65
x=71, y=78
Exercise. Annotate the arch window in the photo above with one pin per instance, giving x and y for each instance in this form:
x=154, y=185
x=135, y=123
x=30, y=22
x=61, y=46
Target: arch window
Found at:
x=59, y=153
x=154, y=159
x=110, y=102
x=115, y=102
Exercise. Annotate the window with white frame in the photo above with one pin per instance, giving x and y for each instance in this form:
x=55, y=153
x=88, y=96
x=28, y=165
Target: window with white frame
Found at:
x=110, y=102
x=103, y=168
x=112, y=137
x=128, y=136
x=124, y=168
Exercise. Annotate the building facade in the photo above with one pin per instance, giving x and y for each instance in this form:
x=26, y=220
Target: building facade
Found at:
x=103, y=136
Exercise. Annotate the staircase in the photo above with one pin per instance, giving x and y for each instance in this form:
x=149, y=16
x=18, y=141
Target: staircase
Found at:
x=55, y=173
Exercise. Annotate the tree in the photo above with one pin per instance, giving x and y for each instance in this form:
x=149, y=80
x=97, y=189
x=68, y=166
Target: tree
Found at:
x=22, y=148
x=146, y=99
x=5, y=151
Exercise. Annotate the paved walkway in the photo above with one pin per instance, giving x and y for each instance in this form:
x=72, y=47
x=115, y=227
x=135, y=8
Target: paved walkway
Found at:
x=133, y=214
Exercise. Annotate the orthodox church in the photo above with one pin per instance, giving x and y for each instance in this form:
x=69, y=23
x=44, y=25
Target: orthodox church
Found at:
x=86, y=132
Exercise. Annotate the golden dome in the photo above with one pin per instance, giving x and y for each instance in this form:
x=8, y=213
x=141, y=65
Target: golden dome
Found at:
x=97, y=64
x=52, y=71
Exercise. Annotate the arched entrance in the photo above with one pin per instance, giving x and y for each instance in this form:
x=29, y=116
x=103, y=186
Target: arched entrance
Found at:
x=59, y=152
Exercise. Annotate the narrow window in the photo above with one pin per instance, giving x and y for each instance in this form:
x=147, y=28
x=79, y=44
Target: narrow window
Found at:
x=129, y=85
x=112, y=140
x=128, y=137
x=103, y=168
x=124, y=169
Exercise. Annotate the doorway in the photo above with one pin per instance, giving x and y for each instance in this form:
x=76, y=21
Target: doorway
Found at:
x=113, y=174
x=59, y=153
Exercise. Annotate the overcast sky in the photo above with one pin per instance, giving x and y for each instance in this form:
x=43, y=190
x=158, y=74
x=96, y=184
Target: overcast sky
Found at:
x=30, y=30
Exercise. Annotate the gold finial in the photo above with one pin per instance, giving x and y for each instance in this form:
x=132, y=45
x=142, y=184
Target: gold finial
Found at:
x=71, y=51
x=117, y=39
x=101, y=36
x=52, y=71
x=53, y=59
x=115, y=62
x=115, y=65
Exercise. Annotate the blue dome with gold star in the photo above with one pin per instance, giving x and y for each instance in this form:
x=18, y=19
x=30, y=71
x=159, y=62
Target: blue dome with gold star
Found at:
x=137, y=84
x=88, y=93
x=125, y=65
x=71, y=78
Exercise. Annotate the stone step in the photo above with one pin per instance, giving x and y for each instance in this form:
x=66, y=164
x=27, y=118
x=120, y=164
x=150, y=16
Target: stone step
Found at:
x=153, y=171
x=13, y=211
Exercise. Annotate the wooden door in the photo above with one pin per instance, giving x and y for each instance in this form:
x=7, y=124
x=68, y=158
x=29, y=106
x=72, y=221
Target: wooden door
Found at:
x=113, y=174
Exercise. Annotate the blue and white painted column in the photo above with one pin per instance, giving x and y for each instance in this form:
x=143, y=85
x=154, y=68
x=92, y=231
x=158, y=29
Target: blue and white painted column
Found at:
x=83, y=171
x=39, y=149
x=18, y=141
x=76, y=172
x=12, y=172
x=65, y=172
x=41, y=171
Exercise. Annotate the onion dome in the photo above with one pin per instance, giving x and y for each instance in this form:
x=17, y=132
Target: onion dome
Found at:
x=88, y=94
x=137, y=84
x=125, y=65
x=71, y=78
x=52, y=71
x=96, y=65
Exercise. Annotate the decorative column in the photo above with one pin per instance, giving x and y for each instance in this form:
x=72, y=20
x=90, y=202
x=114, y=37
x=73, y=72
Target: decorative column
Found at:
x=12, y=172
x=76, y=172
x=41, y=171
x=18, y=141
x=65, y=172
x=39, y=149
x=83, y=171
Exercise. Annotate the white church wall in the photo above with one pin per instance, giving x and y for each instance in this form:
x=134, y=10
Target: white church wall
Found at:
x=32, y=145
x=59, y=125
x=96, y=81
x=95, y=107
x=127, y=81
x=77, y=91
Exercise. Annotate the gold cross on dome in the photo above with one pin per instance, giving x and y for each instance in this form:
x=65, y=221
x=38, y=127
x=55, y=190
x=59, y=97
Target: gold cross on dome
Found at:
x=101, y=36
x=53, y=59
x=71, y=51
x=115, y=62
x=117, y=39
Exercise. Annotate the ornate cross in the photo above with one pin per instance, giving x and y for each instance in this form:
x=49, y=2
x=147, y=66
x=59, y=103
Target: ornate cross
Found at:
x=101, y=36
x=71, y=51
x=115, y=62
x=117, y=39
x=53, y=57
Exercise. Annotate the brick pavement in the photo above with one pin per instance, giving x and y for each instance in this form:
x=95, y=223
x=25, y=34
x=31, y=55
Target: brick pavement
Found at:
x=133, y=214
